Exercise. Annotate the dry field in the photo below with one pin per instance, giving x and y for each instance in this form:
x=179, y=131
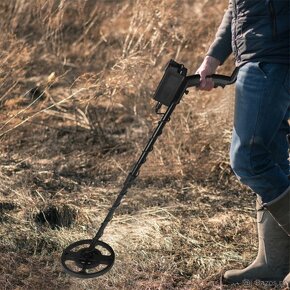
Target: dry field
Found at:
x=76, y=80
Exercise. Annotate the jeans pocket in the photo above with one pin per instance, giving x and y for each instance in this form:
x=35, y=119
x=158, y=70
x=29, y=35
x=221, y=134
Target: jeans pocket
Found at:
x=263, y=69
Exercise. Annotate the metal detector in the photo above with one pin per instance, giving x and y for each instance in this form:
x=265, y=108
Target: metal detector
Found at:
x=92, y=258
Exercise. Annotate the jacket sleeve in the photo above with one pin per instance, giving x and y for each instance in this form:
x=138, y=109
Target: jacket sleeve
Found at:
x=221, y=48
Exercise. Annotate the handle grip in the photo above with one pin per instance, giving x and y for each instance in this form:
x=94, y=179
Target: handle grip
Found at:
x=219, y=80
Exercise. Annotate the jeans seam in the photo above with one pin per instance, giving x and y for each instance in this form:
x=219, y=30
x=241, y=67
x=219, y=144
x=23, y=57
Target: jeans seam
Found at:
x=256, y=125
x=254, y=135
x=286, y=109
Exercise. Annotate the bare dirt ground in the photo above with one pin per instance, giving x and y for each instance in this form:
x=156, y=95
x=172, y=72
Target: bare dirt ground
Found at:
x=75, y=113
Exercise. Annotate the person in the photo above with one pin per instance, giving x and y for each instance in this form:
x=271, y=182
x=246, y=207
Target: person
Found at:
x=257, y=33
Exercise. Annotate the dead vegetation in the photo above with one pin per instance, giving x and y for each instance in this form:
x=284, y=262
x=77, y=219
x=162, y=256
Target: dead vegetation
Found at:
x=75, y=84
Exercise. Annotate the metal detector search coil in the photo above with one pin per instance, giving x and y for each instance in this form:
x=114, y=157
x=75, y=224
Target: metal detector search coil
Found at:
x=92, y=258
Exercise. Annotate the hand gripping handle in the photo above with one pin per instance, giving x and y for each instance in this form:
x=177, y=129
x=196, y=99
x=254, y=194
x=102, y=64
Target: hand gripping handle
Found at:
x=219, y=80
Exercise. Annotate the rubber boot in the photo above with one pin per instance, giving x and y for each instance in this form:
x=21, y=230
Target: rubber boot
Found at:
x=273, y=259
x=279, y=209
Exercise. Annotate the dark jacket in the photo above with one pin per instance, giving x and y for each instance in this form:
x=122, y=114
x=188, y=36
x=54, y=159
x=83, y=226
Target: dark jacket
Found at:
x=254, y=30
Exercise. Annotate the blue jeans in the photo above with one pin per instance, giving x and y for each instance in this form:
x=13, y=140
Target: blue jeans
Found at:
x=259, y=149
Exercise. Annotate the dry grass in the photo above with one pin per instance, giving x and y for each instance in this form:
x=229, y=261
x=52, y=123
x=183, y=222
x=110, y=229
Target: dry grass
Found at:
x=75, y=111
